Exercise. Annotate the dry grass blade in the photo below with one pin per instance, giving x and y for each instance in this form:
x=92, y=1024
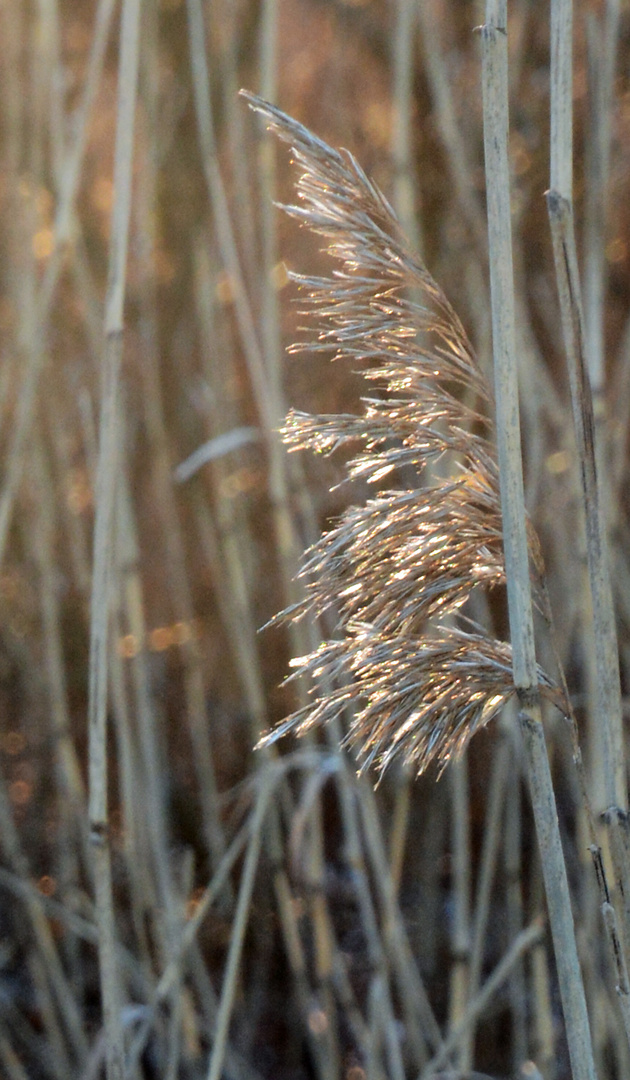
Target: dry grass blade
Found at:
x=415, y=689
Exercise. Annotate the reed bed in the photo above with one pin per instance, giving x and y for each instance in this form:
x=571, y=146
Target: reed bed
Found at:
x=423, y=501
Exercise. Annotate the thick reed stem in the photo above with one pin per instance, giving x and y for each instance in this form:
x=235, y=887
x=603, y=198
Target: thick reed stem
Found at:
x=495, y=101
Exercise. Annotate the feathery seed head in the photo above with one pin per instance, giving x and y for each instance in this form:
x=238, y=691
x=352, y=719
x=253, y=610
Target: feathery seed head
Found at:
x=411, y=687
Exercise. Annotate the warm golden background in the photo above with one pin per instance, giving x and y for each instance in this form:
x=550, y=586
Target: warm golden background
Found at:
x=345, y=931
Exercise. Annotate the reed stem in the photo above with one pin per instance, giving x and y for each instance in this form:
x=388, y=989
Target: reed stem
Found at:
x=496, y=127
x=104, y=532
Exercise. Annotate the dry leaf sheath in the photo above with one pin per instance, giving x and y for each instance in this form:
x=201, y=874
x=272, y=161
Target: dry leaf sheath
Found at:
x=397, y=570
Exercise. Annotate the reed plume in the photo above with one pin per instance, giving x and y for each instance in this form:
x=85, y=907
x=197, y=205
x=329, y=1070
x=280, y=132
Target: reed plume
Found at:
x=414, y=676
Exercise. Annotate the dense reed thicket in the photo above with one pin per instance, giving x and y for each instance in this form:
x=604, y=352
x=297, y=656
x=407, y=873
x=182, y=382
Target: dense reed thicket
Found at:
x=175, y=903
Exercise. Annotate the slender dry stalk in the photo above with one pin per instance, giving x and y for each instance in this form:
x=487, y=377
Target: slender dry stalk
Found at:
x=102, y=582
x=378, y=954
x=239, y=926
x=72, y=787
x=404, y=193
x=148, y=773
x=267, y=173
x=262, y=368
x=224, y=535
x=69, y=179
x=450, y=133
x=521, y=945
x=513, y=876
x=168, y=514
x=69, y=175
x=585, y=374
x=603, y=45
x=461, y=898
x=488, y=864
x=173, y=971
x=53, y=990
x=560, y=206
x=419, y=1016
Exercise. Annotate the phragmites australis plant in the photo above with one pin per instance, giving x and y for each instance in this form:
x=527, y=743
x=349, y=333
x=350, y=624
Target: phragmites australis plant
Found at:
x=414, y=674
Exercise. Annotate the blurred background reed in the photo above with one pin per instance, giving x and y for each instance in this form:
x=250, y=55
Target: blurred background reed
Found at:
x=268, y=915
